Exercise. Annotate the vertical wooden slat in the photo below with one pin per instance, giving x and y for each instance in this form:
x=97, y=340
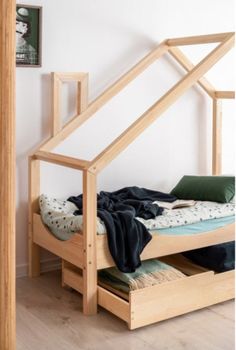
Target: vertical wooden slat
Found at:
x=89, y=242
x=217, y=137
x=56, y=89
x=82, y=100
x=7, y=174
x=34, y=192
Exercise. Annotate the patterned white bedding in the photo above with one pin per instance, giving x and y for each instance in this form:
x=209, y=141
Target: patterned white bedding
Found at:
x=58, y=216
x=202, y=210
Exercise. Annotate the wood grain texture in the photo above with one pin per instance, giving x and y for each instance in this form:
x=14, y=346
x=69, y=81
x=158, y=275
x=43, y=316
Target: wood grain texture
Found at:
x=114, y=304
x=50, y=317
x=70, y=76
x=101, y=100
x=217, y=137
x=62, y=160
x=180, y=57
x=72, y=277
x=225, y=94
x=82, y=95
x=89, y=243
x=70, y=250
x=95, y=254
x=198, y=39
x=7, y=174
x=174, y=298
x=162, y=245
x=56, y=104
x=135, y=129
x=33, y=194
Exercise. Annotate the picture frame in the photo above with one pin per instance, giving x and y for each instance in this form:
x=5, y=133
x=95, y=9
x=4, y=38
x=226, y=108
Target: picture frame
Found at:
x=28, y=36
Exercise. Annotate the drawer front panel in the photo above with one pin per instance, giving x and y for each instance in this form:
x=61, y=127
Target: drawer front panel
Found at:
x=178, y=297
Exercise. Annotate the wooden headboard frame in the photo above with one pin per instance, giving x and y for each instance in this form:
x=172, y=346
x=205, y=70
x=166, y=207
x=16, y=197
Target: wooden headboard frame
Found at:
x=92, y=168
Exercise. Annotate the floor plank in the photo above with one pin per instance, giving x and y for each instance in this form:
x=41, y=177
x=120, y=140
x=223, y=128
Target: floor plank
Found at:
x=50, y=317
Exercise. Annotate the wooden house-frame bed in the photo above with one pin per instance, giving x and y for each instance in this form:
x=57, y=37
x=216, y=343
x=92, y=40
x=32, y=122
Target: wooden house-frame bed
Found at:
x=86, y=252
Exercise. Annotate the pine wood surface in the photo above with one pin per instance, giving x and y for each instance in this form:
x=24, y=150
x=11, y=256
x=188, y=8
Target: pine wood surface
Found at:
x=59, y=159
x=7, y=174
x=180, y=57
x=217, y=137
x=102, y=99
x=33, y=195
x=199, y=288
x=225, y=94
x=160, y=245
x=156, y=110
x=93, y=246
x=198, y=39
x=71, y=250
x=50, y=317
x=82, y=95
x=89, y=243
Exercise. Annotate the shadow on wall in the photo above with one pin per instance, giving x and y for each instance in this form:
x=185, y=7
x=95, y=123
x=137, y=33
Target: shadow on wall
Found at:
x=200, y=101
x=142, y=45
x=46, y=103
x=203, y=135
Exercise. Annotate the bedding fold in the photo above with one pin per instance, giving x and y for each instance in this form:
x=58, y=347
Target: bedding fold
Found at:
x=127, y=236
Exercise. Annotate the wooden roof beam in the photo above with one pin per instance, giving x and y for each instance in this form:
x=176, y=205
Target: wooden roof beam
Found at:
x=199, y=39
x=59, y=159
x=225, y=94
x=101, y=100
x=180, y=57
x=131, y=133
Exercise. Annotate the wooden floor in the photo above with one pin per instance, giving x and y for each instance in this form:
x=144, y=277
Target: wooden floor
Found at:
x=50, y=318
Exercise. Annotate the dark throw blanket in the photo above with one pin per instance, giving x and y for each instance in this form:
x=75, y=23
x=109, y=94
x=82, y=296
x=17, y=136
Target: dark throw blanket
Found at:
x=219, y=257
x=127, y=236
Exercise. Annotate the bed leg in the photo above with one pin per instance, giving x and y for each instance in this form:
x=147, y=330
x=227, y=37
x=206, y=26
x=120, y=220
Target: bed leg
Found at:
x=89, y=294
x=34, y=259
x=89, y=244
x=34, y=190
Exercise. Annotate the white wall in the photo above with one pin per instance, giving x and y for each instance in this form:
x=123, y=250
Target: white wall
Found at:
x=105, y=38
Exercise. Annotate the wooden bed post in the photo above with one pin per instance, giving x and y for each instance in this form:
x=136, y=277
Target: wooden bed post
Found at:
x=217, y=137
x=7, y=174
x=89, y=243
x=34, y=192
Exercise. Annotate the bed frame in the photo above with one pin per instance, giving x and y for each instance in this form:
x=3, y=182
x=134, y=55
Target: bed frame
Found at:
x=86, y=252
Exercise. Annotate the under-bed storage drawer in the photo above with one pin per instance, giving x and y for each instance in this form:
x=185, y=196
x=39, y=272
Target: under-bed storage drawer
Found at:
x=174, y=298
x=198, y=289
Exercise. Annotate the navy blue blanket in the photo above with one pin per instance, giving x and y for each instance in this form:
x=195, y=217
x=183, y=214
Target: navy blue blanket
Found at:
x=127, y=236
x=219, y=257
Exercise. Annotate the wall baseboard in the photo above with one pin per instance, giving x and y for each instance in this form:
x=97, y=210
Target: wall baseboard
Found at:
x=46, y=266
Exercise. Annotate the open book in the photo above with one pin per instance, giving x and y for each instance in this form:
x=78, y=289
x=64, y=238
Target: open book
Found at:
x=179, y=203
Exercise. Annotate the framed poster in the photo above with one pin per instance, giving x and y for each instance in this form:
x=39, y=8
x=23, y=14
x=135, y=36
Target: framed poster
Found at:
x=28, y=35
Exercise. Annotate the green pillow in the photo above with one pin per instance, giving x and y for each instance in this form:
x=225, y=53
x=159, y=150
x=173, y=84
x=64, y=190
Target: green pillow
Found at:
x=206, y=188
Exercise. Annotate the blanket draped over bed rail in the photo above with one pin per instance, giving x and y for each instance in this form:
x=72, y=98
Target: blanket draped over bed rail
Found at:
x=127, y=236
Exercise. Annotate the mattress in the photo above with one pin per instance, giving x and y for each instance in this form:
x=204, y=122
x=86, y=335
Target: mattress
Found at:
x=58, y=216
x=197, y=227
